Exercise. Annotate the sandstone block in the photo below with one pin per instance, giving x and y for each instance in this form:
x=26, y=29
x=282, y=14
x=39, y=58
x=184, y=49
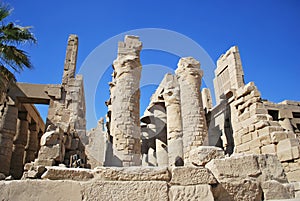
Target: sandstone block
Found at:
x=277, y=136
x=274, y=190
x=191, y=176
x=124, y=190
x=36, y=190
x=60, y=173
x=51, y=152
x=203, y=154
x=132, y=173
x=293, y=176
x=195, y=192
x=288, y=149
x=268, y=149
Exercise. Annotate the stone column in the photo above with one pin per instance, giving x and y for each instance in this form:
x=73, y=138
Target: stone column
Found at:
x=171, y=96
x=189, y=77
x=125, y=103
x=32, y=143
x=8, y=125
x=20, y=141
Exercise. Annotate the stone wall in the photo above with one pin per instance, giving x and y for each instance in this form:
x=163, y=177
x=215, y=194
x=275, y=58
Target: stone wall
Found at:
x=221, y=179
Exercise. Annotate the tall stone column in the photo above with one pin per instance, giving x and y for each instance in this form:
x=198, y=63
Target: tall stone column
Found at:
x=32, y=143
x=171, y=96
x=125, y=105
x=8, y=125
x=189, y=77
x=20, y=141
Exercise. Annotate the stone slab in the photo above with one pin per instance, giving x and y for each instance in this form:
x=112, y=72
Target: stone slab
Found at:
x=132, y=173
x=195, y=192
x=61, y=173
x=191, y=176
x=125, y=190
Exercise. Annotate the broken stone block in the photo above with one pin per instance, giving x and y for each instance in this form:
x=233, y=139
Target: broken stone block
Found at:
x=195, y=192
x=244, y=189
x=191, y=176
x=61, y=173
x=203, y=154
x=51, y=152
x=274, y=190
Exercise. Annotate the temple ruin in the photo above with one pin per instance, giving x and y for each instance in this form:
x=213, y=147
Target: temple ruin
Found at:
x=182, y=148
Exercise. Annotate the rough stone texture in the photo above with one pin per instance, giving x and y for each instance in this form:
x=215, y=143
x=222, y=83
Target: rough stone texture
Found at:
x=132, y=174
x=202, y=155
x=125, y=190
x=195, y=192
x=37, y=190
x=191, y=176
x=275, y=190
x=125, y=107
x=194, y=126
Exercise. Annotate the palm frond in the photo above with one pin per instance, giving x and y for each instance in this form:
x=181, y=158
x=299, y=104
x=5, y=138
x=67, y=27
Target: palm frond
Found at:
x=4, y=11
x=11, y=33
x=17, y=59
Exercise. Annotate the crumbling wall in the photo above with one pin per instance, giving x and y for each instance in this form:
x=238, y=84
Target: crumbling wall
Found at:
x=62, y=142
x=255, y=131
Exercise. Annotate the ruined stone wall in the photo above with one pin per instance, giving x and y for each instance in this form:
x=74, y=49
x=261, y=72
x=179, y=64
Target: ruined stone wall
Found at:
x=66, y=124
x=255, y=131
x=229, y=74
x=220, y=179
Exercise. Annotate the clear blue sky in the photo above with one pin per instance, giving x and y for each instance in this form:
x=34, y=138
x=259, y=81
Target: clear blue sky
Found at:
x=267, y=33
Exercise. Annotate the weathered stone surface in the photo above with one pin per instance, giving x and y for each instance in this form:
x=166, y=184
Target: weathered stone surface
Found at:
x=37, y=190
x=191, y=176
x=263, y=167
x=243, y=189
x=241, y=175
x=132, y=173
x=195, y=192
x=125, y=190
x=60, y=173
x=203, y=154
x=274, y=190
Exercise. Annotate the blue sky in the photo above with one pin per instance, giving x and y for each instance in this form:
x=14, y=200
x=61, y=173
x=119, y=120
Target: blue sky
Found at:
x=266, y=32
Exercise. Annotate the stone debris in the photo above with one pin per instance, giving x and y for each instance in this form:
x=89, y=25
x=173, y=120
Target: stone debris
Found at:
x=202, y=155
